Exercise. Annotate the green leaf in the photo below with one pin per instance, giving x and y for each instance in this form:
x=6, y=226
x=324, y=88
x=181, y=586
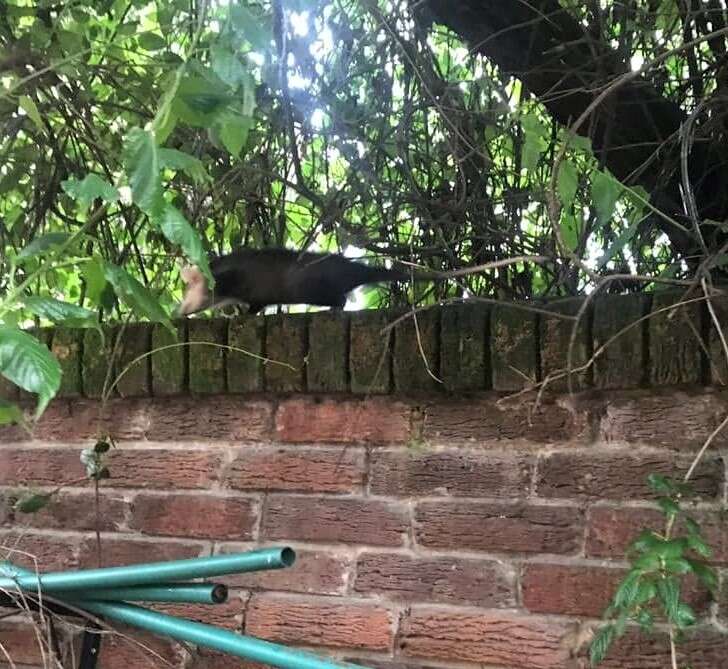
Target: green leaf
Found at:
x=600, y=644
x=89, y=188
x=569, y=230
x=60, y=312
x=253, y=27
x=10, y=413
x=706, y=575
x=660, y=484
x=567, y=183
x=93, y=273
x=178, y=160
x=152, y=42
x=177, y=229
x=697, y=544
x=200, y=100
x=605, y=191
x=533, y=140
x=135, y=295
x=647, y=540
x=141, y=161
x=684, y=616
x=618, y=244
x=668, y=592
x=627, y=590
x=678, y=565
x=44, y=244
x=29, y=364
x=669, y=506
x=645, y=619
x=691, y=525
x=32, y=502
x=233, y=130
x=646, y=591
x=29, y=107
x=227, y=65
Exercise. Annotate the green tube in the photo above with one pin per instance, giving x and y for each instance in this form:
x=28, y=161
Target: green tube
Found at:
x=183, y=593
x=210, y=637
x=150, y=573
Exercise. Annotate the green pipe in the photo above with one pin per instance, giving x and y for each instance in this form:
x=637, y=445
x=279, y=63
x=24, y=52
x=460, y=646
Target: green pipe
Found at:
x=211, y=637
x=150, y=573
x=182, y=593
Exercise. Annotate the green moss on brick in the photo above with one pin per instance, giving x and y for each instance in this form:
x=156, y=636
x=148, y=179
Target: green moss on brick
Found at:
x=675, y=356
x=417, y=353
x=286, y=343
x=168, y=364
x=206, y=356
x=370, y=352
x=66, y=346
x=135, y=340
x=622, y=364
x=328, y=345
x=245, y=371
x=463, y=349
x=513, y=348
x=98, y=347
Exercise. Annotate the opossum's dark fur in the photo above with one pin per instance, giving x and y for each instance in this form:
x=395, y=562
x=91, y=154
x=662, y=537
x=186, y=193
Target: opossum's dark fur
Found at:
x=265, y=277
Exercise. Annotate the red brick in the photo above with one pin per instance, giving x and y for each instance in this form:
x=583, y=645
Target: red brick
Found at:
x=489, y=638
x=78, y=511
x=40, y=466
x=117, y=551
x=496, y=528
x=408, y=473
x=195, y=516
x=133, y=648
x=228, y=615
x=584, y=590
x=619, y=474
x=314, y=572
x=298, y=469
x=34, y=550
x=610, y=531
x=479, y=421
x=446, y=580
x=676, y=419
x=210, y=659
x=334, y=421
x=23, y=642
x=331, y=623
x=335, y=520
x=163, y=468
x=703, y=648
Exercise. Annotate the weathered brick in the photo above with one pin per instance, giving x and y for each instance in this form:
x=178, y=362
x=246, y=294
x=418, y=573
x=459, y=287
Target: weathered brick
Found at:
x=286, y=349
x=619, y=474
x=328, y=348
x=8, y=390
x=484, y=420
x=489, y=638
x=298, y=469
x=228, y=615
x=576, y=590
x=671, y=418
x=675, y=355
x=417, y=353
x=463, y=350
x=556, y=337
x=342, y=624
x=610, y=530
x=717, y=354
x=464, y=473
x=227, y=418
x=40, y=466
x=36, y=550
x=162, y=468
x=98, y=349
x=245, y=366
x=493, y=527
x=622, y=364
x=204, y=658
x=133, y=648
x=701, y=648
x=78, y=511
x=304, y=420
x=334, y=520
x=443, y=580
x=194, y=516
x=66, y=347
x=119, y=551
x=24, y=643
x=135, y=340
x=169, y=364
x=207, y=355
x=314, y=572
x=370, y=352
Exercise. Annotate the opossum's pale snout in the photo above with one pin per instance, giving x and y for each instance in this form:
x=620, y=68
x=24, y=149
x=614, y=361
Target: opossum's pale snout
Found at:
x=197, y=297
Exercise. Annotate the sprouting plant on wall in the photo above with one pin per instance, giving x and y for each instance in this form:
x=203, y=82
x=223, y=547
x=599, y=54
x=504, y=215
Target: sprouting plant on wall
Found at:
x=653, y=589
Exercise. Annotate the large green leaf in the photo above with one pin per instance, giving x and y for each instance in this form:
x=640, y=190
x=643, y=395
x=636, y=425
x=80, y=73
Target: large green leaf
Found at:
x=9, y=413
x=141, y=161
x=135, y=295
x=227, y=65
x=177, y=229
x=233, y=131
x=92, y=186
x=63, y=313
x=605, y=191
x=93, y=274
x=200, y=100
x=29, y=107
x=533, y=140
x=567, y=183
x=44, y=244
x=29, y=364
x=178, y=160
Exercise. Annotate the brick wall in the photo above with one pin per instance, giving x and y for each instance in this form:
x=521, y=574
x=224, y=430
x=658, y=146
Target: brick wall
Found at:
x=445, y=524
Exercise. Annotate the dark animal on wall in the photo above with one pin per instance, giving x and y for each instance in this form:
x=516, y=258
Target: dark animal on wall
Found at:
x=265, y=277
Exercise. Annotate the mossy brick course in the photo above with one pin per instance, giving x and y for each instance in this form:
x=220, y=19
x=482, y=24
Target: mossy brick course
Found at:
x=286, y=343
x=169, y=365
x=513, y=348
x=207, y=362
x=245, y=366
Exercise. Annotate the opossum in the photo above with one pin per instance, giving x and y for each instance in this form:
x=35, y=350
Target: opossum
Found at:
x=271, y=276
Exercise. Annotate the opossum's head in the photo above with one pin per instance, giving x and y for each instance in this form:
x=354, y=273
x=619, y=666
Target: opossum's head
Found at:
x=198, y=296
